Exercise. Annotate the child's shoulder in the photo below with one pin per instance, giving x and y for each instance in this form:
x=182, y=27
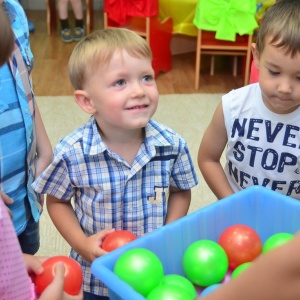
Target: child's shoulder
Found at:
x=75, y=140
x=163, y=132
x=249, y=89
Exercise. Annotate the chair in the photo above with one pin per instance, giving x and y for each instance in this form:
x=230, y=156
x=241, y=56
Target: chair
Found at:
x=141, y=16
x=225, y=27
x=52, y=16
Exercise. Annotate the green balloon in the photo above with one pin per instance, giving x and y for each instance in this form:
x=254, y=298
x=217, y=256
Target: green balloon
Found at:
x=205, y=262
x=276, y=240
x=175, y=280
x=169, y=292
x=241, y=268
x=140, y=268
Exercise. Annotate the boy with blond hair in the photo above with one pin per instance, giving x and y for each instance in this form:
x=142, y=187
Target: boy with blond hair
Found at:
x=124, y=170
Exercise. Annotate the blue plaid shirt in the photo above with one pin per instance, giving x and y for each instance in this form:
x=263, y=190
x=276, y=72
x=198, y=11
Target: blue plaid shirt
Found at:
x=108, y=192
x=17, y=128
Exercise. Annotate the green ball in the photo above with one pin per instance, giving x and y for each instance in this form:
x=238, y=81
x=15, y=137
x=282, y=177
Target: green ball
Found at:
x=205, y=262
x=169, y=292
x=141, y=269
x=276, y=240
x=175, y=280
x=241, y=268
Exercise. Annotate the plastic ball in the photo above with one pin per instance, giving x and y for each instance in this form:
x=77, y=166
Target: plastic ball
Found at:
x=276, y=240
x=183, y=283
x=140, y=268
x=205, y=262
x=210, y=289
x=72, y=279
x=117, y=239
x=240, y=269
x=227, y=276
x=169, y=292
x=241, y=244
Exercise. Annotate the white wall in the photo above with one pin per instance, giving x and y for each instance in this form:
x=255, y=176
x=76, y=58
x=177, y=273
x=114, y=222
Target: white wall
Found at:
x=41, y=4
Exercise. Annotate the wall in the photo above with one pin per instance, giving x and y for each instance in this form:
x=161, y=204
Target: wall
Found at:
x=41, y=4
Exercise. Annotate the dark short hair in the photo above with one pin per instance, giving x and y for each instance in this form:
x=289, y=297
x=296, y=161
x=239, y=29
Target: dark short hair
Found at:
x=281, y=24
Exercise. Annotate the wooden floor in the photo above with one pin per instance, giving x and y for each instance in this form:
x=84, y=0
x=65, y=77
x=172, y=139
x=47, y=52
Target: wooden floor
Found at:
x=51, y=55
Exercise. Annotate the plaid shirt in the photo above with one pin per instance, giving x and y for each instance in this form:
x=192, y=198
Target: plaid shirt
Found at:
x=108, y=192
x=17, y=127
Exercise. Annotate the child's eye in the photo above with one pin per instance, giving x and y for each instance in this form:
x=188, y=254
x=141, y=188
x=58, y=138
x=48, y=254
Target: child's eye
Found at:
x=147, y=78
x=273, y=72
x=119, y=82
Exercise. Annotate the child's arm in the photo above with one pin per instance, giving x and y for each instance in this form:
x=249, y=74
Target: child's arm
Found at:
x=209, y=155
x=178, y=204
x=66, y=222
x=44, y=148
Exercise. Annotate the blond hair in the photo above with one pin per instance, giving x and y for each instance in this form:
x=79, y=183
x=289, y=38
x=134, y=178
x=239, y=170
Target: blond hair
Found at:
x=281, y=24
x=99, y=47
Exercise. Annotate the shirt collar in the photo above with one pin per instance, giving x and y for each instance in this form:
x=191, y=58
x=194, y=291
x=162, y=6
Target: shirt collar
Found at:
x=156, y=135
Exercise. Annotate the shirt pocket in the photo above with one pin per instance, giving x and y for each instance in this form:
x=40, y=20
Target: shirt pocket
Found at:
x=157, y=186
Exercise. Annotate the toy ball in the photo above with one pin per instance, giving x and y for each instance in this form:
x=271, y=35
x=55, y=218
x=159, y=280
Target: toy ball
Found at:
x=140, y=268
x=240, y=269
x=205, y=262
x=73, y=275
x=276, y=240
x=183, y=283
x=169, y=292
x=210, y=289
x=227, y=276
x=241, y=244
x=117, y=239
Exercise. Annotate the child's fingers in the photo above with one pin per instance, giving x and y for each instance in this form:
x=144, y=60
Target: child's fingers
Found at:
x=59, y=275
x=6, y=198
x=103, y=233
x=33, y=264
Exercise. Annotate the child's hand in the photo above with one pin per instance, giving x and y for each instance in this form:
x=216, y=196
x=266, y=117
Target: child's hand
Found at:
x=7, y=200
x=92, y=248
x=55, y=289
x=34, y=263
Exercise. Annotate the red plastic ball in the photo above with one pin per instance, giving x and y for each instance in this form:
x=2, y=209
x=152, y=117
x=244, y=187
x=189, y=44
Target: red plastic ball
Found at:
x=117, y=239
x=241, y=244
x=73, y=275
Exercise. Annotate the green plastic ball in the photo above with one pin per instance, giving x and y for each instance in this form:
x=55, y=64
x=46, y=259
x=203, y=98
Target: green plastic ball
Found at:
x=140, y=268
x=241, y=268
x=205, y=262
x=276, y=240
x=169, y=292
x=175, y=280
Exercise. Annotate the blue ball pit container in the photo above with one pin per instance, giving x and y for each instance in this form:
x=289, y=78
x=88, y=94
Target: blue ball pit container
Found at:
x=266, y=211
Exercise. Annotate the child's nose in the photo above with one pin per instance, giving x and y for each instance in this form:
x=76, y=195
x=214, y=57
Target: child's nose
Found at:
x=137, y=90
x=285, y=86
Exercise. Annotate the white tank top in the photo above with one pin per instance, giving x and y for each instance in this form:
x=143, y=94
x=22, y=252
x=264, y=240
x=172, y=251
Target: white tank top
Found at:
x=263, y=147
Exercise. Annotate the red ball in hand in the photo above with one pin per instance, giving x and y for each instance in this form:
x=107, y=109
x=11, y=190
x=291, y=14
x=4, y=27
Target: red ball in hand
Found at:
x=241, y=244
x=73, y=275
x=117, y=239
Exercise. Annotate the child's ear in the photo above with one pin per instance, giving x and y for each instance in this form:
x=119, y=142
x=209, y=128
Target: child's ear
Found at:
x=84, y=101
x=255, y=55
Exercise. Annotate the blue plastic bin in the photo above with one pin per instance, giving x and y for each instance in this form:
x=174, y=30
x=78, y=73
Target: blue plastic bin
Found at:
x=265, y=211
